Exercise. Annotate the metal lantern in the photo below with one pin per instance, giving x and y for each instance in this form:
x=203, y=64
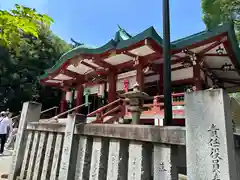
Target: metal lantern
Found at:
x=219, y=50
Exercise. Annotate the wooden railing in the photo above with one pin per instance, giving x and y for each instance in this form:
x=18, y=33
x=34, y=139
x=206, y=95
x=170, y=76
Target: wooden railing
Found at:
x=115, y=108
x=70, y=110
x=14, y=119
x=159, y=104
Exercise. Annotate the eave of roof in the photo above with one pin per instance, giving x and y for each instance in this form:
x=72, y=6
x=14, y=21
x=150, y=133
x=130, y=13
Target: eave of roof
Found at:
x=149, y=33
x=120, y=43
x=205, y=35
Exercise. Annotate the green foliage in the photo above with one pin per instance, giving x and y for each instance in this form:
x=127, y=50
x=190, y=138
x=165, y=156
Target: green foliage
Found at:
x=20, y=68
x=216, y=12
x=18, y=22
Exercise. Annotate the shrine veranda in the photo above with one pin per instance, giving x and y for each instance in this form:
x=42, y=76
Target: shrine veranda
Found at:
x=100, y=75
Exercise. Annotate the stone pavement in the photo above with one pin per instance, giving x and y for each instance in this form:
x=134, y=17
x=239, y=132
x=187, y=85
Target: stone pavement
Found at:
x=5, y=163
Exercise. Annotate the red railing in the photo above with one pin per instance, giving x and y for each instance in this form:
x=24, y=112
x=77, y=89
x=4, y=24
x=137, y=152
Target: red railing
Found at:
x=158, y=103
x=115, y=108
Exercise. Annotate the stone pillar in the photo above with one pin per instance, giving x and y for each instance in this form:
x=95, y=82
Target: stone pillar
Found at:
x=139, y=161
x=83, y=158
x=79, y=99
x=117, y=160
x=197, y=76
x=112, y=88
x=209, y=136
x=165, y=162
x=64, y=172
x=30, y=113
x=98, y=170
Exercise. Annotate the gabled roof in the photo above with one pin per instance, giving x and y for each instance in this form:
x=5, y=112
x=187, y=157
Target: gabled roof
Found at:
x=227, y=28
x=123, y=48
x=122, y=40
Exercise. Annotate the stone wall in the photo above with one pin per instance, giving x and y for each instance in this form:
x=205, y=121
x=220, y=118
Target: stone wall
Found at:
x=75, y=150
x=207, y=147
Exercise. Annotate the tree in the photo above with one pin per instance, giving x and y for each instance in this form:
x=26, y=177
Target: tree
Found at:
x=16, y=23
x=28, y=47
x=19, y=71
x=216, y=12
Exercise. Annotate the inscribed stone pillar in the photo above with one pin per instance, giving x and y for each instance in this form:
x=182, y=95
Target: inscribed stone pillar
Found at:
x=30, y=113
x=117, y=160
x=209, y=136
x=83, y=158
x=64, y=172
x=99, y=159
x=165, y=162
x=139, y=161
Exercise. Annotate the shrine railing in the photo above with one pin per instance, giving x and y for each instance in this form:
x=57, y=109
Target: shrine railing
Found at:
x=158, y=104
x=104, y=114
x=16, y=118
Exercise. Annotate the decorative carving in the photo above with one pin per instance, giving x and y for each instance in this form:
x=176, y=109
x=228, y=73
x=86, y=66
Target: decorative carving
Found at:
x=214, y=143
x=162, y=167
x=134, y=168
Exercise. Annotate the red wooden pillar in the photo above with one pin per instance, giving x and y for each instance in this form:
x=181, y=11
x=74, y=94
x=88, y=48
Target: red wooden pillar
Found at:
x=197, y=82
x=79, y=99
x=112, y=88
x=63, y=103
x=140, y=76
x=160, y=79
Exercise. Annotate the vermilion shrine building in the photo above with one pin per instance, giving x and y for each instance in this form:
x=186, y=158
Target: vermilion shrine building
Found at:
x=204, y=60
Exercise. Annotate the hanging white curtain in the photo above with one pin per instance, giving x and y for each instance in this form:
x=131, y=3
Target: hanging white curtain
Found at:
x=101, y=90
x=68, y=96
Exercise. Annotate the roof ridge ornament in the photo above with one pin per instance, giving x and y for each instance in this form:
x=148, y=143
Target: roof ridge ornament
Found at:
x=119, y=27
x=76, y=44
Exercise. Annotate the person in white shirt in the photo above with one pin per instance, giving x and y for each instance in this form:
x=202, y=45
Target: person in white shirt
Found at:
x=5, y=127
x=13, y=133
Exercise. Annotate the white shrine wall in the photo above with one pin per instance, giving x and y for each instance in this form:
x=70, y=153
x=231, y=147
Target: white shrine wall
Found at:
x=177, y=75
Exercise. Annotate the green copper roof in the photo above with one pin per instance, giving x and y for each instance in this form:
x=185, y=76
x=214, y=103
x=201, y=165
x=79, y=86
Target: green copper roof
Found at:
x=121, y=35
x=201, y=36
x=204, y=35
x=122, y=40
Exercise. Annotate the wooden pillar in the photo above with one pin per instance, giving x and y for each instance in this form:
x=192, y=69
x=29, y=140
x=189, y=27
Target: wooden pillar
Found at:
x=112, y=88
x=197, y=76
x=160, y=79
x=140, y=75
x=63, y=103
x=79, y=99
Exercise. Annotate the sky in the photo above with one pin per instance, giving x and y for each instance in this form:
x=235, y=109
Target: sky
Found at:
x=94, y=22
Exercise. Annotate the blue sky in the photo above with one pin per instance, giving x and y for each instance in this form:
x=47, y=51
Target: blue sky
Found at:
x=94, y=22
